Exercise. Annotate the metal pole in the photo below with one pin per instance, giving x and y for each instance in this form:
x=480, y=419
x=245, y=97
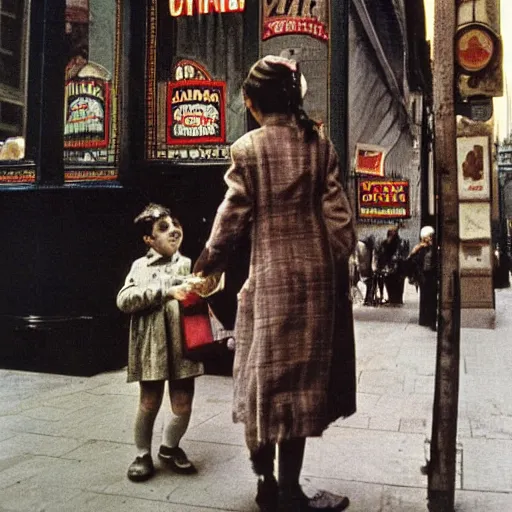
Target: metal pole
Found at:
x=442, y=465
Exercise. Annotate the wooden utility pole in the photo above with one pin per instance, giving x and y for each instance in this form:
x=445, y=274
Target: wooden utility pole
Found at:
x=442, y=464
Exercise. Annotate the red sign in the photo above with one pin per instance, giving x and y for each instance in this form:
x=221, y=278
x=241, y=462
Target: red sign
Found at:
x=369, y=160
x=383, y=199
x=474, y=49
x=195, y=112
x=281, y=26
x=191, y=7
x=308, y=17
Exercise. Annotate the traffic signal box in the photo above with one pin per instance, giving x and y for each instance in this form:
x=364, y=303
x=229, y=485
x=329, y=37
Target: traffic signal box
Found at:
x=478, y=53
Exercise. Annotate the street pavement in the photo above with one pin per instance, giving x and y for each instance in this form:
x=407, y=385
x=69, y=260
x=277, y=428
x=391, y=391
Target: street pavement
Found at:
x=66, y=442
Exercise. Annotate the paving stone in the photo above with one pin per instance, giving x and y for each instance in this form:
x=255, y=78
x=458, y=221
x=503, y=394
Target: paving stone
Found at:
x=414, y=425
x=384, y=423
x=470, y=501
x=383, y=380
x=358, y=420
x=487, y=465
x=367, y=455
x=35, y=444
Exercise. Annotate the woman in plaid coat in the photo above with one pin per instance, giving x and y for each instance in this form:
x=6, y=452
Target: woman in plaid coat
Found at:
x=294, y=369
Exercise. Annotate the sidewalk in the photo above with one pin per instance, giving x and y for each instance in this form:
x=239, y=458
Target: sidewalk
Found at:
x=66, y=442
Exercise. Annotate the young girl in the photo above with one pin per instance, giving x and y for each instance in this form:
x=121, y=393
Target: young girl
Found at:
x=294, y=368
x=153, y=287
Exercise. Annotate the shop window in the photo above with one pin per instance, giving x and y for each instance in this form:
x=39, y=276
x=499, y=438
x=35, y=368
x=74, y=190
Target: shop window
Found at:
x=195, y=67
x=12, y=81
x=91, y=90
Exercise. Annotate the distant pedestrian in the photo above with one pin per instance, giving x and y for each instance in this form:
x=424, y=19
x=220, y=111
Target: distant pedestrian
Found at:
x=364, y=261
x=294, y=369
x=422, y=273
x=153, y=287
x=391, y=255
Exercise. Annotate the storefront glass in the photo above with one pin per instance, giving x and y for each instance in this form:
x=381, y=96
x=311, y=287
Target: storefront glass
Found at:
x=91, y=89
x=13, y=44
x=194, y=71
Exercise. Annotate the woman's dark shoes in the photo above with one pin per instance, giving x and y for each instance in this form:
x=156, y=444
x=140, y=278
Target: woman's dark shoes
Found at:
x=267, y=496
x=325, y=500
x=141, y=468
x=176, y=459
x=293, y=500
x=297, y=501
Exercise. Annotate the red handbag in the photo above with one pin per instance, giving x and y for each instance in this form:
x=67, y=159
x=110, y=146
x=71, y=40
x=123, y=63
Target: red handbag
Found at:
x=198, y=342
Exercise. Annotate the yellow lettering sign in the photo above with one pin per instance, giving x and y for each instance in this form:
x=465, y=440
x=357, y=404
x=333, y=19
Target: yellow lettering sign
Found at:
x=179, y=8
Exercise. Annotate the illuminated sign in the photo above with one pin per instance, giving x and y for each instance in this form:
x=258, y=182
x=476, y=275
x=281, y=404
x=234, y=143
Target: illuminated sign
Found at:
x=12, y=176
x=87, y=117
x=195, y=112
x=191, y=7
x=307, y=17
x=383, y=199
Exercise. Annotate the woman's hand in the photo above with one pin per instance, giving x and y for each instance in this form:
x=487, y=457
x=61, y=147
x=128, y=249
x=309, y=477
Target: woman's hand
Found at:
x=178, y=292
x=205, y=286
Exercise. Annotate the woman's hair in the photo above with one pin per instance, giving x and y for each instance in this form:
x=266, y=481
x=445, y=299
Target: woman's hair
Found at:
x=274, y=86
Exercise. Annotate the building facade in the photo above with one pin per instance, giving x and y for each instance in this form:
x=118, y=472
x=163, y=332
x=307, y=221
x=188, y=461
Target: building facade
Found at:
x=138, y=101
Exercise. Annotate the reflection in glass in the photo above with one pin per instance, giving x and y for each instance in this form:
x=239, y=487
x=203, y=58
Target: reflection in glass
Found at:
x=12, y=70
x=90, y=86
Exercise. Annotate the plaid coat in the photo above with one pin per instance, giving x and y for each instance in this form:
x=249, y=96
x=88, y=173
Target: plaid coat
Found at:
x=294, y=368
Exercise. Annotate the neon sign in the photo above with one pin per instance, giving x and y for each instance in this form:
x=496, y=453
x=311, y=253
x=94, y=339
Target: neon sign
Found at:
x=179, y=8
x=383, y=199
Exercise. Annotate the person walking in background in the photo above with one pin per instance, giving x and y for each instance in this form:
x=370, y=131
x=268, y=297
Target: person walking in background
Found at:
x=294, y=367
x=364, y=260
x=391, y=255
x=153, y=287
x=422, y=273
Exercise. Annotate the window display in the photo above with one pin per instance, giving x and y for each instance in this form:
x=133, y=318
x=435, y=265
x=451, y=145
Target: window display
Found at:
x=194, y=73
x=12, y=79
x=90, y=104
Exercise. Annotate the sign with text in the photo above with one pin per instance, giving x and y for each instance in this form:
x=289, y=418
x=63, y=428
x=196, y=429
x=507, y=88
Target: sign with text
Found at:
x=370, y=159
x=87, y=115
x=195, y=112
x=473, y=162
x=308, y=17
x=192, y=7
x=383, y=199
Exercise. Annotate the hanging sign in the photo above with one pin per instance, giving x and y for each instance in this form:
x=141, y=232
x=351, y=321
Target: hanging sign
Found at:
x=370, y=159
x=284, y=17
x=383, y=199
x=87, y=115
x=195, y=112
x=179, y=8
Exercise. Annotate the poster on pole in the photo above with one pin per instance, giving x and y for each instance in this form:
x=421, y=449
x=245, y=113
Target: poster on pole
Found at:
x=473, y=168
x=475, y=256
